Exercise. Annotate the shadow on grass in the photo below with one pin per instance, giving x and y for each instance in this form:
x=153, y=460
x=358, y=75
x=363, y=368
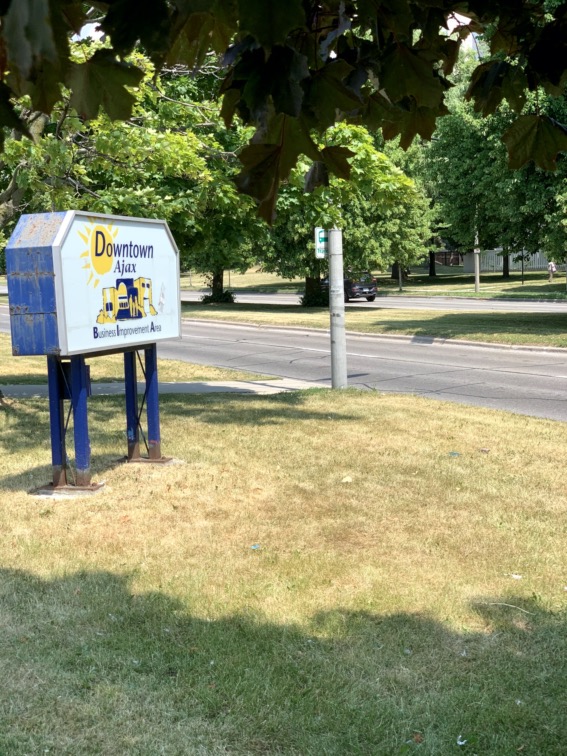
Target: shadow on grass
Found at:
x=89, y=666
x=26, y=427
x=463, y=325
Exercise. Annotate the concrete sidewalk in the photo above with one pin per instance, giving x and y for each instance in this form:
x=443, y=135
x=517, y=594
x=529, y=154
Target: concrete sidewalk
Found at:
x=277, y=386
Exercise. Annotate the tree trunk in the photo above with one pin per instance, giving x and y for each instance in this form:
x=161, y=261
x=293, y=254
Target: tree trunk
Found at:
x=312, y=287
x=432, y=267
x=505, y=266
x=217, y=284
x=396, y=272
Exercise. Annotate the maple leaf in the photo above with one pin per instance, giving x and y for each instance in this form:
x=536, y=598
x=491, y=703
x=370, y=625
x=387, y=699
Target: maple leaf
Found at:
x=336, y=160
x=535, y=137
x=492, y=82
x=266, y=165
x=406, y=73
x=102, y=81
x=271, y=23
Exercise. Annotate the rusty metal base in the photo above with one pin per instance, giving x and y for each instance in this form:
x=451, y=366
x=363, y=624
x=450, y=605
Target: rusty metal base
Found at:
x=146, y=460
x=68, y=490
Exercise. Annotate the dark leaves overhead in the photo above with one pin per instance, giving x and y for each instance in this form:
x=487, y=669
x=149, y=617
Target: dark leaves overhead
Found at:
x=102, y=81
x=294, y=68
x=535, y=138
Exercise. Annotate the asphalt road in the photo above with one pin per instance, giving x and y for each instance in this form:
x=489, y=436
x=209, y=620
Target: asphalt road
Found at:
x=526, y=381
x=530, y=382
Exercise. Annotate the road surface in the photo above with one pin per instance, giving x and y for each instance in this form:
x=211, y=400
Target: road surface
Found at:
x=526, y=381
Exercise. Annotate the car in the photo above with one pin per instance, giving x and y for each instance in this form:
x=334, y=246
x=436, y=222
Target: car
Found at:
x=356, y=286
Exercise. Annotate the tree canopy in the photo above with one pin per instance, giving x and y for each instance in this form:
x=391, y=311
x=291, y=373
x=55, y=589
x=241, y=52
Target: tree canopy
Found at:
x=383, y=214
x=296, y=68
x=481, y=202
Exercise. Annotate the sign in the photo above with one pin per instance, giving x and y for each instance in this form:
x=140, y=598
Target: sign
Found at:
x=321, y=243
x=115, y=282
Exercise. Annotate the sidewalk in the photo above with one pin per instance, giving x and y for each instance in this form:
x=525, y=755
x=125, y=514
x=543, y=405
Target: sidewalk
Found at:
x=277, y=386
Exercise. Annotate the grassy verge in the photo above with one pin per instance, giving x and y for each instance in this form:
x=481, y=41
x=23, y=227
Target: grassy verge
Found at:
x=33, y=370
x=529, y=329
x=450, y=281
x=327, y=573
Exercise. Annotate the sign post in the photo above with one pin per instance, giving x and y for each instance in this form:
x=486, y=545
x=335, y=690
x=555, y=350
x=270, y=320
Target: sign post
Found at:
x=337, y=309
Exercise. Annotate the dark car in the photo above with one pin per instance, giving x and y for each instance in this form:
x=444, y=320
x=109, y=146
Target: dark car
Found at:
x=356, y=285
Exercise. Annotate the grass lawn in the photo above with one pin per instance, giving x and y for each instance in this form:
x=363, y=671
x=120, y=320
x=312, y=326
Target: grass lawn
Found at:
x=450, y=281
x=325, y=573
x=530, y=329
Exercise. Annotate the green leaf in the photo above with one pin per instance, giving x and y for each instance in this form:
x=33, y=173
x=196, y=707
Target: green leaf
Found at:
x=407, y=119
x=198, y=27
x=537, y=138
x=406, y=74
x=266, y=165
x=336, y=160
x=327, y=92
x=102, y=81
x=393, y=15
x=148, y=25
x=28, y=34
x=492, y=82
x=270, y=23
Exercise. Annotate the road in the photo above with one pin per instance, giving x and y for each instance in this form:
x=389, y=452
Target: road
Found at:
x=530, y=382
x=393, y=301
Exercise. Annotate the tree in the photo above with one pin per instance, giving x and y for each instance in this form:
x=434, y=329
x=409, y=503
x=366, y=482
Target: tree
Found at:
x=173, y=159
x=381, y=212
x=295, y=68
x=482, y=202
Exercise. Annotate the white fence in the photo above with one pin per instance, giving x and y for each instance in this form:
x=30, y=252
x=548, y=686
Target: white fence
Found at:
x=492, y=260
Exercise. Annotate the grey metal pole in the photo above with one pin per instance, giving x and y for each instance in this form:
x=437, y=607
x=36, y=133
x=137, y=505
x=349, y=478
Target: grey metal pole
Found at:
x=476, y=256
x=337, y=309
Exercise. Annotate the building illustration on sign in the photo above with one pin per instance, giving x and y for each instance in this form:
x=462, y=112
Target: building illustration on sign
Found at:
x=129, y=298
x=123, y=301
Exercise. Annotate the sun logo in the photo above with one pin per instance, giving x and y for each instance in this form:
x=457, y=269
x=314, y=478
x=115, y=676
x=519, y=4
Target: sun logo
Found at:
x=100, y=250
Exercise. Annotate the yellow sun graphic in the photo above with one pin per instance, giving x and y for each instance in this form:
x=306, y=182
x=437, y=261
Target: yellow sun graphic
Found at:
x=100, y=249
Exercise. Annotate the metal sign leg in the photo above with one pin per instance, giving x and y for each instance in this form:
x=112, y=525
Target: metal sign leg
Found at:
x=56, y=420
x=152, y=398
x=79, y=393
x=131, y=391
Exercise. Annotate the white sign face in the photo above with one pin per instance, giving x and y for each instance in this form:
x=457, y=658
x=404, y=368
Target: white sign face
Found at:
x=321, y=243
x=116, y=282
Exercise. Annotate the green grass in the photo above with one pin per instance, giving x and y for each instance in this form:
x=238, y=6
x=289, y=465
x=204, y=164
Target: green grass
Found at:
x=528, y=329
x=322, y=575
x=454, y=283
x=450, y=281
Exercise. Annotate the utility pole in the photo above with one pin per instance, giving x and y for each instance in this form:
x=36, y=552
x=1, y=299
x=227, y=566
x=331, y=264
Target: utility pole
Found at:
x=337, y=309
x=476, y=255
